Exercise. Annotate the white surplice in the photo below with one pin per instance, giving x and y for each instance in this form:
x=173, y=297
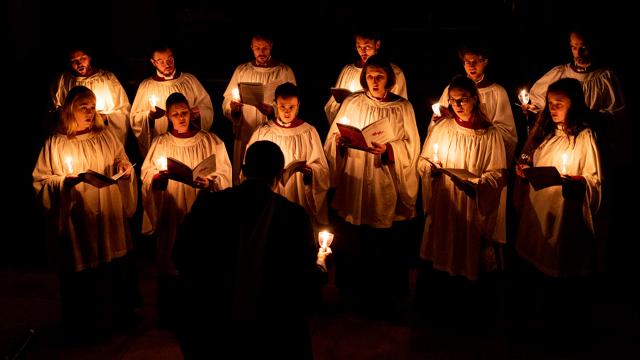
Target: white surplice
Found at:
x=494, y=103
x=301, y=143
x=601, y=88
x=349, y=78
x=456, y=224
x=111, y=99
x=556, y=233
x=165, y=210
x=91, y=221
x=187, y=85
x=250, y=116
x=368, y=191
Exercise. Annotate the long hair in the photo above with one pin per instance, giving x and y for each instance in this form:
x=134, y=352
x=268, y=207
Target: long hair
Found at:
x=578, y=116
x=67, y=124
x=178, y=98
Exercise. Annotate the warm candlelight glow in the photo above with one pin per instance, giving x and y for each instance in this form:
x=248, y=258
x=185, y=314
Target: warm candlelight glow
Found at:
x=161, y=163
x=435, y=152
x=153, y=101
x=436, y=109
x=344, y=120
x=100, y=104
x=352, y=86
x=69, y=162
x=523, y=96
x=325, y=239
x=235, y=94
x=565, y=160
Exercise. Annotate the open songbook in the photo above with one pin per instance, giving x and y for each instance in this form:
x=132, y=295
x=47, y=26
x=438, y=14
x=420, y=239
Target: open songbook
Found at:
x=290, y=170
x=254, y=93
x=181, y=172
x=339, y=94
x=541, y=177
x=379, y=131
x=100, y=180
x=462, y=175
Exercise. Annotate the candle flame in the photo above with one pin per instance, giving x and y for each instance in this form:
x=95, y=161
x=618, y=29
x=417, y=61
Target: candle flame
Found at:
x=523, y=96
x=235, y=94
x=69, y=163
x=100, y=104
x=344, y=120
x=352, y=86
x=325, y=238
x=153, y=101
x=565, y=160
x=162, y=163
x=436, y=109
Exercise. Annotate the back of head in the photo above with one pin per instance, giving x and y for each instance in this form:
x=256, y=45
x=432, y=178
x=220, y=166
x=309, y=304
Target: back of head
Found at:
x=263, y=160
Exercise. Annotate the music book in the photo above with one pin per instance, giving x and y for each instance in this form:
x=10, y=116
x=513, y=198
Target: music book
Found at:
x=541, y=177
x=181, y=172
x=462, y=175
x=254, y=93
x=99, y=180
x=379, y=131
x=339, y=94
x=291, y=168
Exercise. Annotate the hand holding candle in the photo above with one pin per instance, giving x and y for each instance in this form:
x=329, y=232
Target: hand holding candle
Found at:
x=153, y=101
x=436, y=109
x=161, y=163
x=325, y=239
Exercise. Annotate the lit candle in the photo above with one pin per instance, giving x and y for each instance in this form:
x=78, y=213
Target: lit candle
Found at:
x=344, y=120
x=352, y=86
x=100, y=106
x=325, y=239
x=435, y=152
x=565, y=159
x=436, y=109
x=523, y=96
x=69, y=163
x=235, y=94
x=153, y=101
x=162, y=163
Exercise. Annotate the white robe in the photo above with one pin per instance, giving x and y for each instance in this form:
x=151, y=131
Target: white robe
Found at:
x=456, y=224
x=92, y=220
x=165, y=210
x=186, y=84
x=349, y=78
x=111, y=99
x=301, y=143
x=556, y=234
x=367, y=191
x=601, y=88
x=494, y=103
x=250, y=117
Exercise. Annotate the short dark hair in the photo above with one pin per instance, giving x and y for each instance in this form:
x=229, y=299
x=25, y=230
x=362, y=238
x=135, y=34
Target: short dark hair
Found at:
x=379, y=62
x=263, y=160
x=474, y=49
x=287, y=90
x=175, y=98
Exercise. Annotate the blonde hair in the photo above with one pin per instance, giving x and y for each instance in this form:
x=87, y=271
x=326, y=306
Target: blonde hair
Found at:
x=68, y=124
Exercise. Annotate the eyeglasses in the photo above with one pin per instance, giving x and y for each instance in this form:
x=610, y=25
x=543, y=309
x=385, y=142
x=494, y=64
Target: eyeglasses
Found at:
x=364, y=48
x=460, y=102
x=163, y=61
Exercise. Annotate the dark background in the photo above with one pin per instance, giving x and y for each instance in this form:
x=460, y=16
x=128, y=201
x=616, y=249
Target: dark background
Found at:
x=526, y=38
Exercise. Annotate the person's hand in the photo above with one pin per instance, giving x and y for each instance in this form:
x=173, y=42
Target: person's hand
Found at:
x=236, y=107
x=519, y=168
x=201, y=183
x=71, y=181
x=156, y=113
x=126, y=168
x=307, y=174
x=444, y=113
x=266, y=110
x=465, y=186
x=321, y=258
x=160, y=180
x=377, y=148
x=529, y=108
x=573, y=187
x=195, y=113
x=435, y=169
